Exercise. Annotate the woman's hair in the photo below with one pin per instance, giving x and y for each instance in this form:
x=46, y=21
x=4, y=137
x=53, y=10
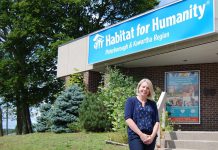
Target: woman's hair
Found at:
x=150, y=86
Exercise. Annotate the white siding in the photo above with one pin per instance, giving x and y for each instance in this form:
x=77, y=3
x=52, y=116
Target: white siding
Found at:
x=72, y=57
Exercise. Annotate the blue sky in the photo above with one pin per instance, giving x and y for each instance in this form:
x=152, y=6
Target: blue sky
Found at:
x=164, y=2
x=11, y=124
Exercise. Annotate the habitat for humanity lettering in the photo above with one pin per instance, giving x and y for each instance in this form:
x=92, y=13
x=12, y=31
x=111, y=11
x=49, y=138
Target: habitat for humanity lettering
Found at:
x=153, y=29
x=196, y=11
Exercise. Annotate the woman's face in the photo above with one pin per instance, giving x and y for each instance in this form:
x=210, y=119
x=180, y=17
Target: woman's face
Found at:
x=144, y=90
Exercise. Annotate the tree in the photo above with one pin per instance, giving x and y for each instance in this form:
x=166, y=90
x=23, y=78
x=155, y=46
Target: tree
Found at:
x=66, y=109
x=28, y=57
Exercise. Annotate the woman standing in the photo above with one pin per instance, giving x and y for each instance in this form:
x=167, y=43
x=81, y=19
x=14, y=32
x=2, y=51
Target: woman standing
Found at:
x=142, y=117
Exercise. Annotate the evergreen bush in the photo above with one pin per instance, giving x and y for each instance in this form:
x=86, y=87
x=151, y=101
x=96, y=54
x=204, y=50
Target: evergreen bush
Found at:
x=43, y=121
x=93, y=114
x=66, y=109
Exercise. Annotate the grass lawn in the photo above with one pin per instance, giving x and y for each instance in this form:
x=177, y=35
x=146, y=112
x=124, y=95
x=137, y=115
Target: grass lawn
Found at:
x=52, y=141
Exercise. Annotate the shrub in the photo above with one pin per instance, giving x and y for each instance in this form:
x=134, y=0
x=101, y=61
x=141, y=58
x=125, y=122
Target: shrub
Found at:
x=157, y=94
x=105, y=109
x=76, y=78
x=114, y=93
x=43, y=121
x=93, y=114
x=75, y=127
x=66, y=109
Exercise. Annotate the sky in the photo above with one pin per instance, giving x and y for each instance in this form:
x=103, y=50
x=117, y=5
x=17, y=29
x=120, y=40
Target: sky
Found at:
x=12, y=123
x=164, y=2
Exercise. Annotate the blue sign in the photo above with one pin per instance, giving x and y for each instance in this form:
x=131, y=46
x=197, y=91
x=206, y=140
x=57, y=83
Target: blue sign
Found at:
x=183, y=112
x=176, y=22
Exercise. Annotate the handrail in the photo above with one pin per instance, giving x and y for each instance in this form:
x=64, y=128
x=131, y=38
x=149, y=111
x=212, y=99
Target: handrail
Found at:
x=161, y=107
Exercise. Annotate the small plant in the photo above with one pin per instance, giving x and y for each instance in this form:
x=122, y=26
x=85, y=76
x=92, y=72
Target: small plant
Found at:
x=75, y=127
x=168, y=123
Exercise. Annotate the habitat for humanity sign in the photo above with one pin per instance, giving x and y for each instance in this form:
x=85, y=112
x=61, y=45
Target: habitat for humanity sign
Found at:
x=176, y=22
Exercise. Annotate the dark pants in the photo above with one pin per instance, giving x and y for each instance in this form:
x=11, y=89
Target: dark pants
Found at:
x=137, y=144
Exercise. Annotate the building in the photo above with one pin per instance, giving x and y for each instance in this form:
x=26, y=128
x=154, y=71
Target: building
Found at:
x=175, y=46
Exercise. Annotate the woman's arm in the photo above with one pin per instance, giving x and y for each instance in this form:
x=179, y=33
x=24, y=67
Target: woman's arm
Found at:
x=155, y=129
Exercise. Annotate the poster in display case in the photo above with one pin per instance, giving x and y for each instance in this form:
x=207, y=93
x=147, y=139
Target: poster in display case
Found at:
x=183, y=96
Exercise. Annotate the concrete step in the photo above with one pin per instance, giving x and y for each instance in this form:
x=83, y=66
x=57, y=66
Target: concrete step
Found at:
x=191, y=135
x=191, y=144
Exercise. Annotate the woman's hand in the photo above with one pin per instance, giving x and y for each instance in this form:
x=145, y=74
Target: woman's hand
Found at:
x=144, y=137
x=149, y=140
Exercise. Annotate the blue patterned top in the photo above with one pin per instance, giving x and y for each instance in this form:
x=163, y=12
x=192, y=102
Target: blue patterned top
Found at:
x=144, y=117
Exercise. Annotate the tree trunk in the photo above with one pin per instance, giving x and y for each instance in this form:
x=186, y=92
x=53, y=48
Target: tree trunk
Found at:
x=27, y=126
x=24, y=125
x=29, y=123
x=19, y=120
x=1, y=128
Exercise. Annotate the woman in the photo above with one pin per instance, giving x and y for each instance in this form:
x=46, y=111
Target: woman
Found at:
x=142, y=118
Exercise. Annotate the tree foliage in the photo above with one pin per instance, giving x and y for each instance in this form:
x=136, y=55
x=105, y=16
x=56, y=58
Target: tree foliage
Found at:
x=108, y=12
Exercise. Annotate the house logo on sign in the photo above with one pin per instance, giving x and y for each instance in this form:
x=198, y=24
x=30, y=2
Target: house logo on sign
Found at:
x=98, y=41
